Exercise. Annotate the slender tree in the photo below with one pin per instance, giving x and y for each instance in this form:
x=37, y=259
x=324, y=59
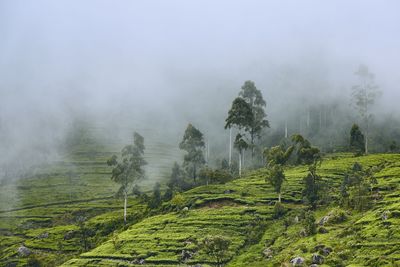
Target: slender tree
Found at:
x=193, y=144
x=364, y=95
x=241, y=145
x=130, y=169
x=312, y=186
x=254, y=98
x=276, y=177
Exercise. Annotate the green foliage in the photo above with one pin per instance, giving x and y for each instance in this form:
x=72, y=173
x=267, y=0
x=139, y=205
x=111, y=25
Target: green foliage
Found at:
x=240, y=115
x=279, y=210
x=155, y=200
x=309, y=224
x=178, y=201
x=313, y=186
x=357, y=140
x=356, y=188
x=277, y=155
x=193, y=144
x=276, y=177
x=254, y=98
x=305, y=153
x=216, y=247
x=211, y=176
x=177, y=179
x=130, y=169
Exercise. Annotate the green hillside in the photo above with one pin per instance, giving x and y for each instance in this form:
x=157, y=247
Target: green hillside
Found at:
x=242, y=211
x=47, y=211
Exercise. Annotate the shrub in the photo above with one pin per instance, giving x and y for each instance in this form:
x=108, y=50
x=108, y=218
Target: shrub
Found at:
x=309, y=223
x=279, y=210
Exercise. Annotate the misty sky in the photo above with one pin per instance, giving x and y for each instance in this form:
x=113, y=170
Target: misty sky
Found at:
x=178, y=59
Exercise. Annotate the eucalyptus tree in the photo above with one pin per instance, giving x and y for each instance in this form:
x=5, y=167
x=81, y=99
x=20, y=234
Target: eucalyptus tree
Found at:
x=129, y=169
x=254, y=98
x=364, y=95
x=193, y=144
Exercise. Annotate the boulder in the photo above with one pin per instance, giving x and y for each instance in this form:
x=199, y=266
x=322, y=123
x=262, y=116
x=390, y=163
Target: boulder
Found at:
x=43, y=235
x=297, y=261
x=24, y=251
x=324, y=220
x=326, y=251
x=268, y=253
x=186, y=255
x=317, y=259
x=314, y=265
x=322, y=230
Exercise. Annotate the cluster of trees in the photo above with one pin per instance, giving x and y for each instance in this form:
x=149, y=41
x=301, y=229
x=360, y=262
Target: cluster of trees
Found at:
x=247, y=118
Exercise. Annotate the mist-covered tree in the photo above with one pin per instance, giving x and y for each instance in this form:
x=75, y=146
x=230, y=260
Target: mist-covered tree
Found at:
x=177, y=179
x=240, y=115
x=278, y=155
x=129, y=169
x=313, y=187
x=305, y=152
x=364, y=95
x=241, y=145
x=357, y=140
x=193, y=144
x=276, y=177
x=156, y=200
x=254, y=98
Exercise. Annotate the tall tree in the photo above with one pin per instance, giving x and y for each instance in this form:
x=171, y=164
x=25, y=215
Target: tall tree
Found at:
x=130, y=169
x=364, y=95
x=312, y=186
x=241, y=117
x=275, y=177
x=357, y=140
x=254, y=98
x=193, y=144
x=241, y=145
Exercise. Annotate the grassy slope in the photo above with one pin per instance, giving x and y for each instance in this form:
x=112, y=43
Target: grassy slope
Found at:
x=49, y=199
x=234, y=209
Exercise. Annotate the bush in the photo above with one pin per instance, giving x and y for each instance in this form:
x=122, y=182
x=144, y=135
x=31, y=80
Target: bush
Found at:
x=279, y=210
x=309, y=223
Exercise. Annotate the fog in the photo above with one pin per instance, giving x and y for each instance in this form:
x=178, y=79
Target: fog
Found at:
x=162, y=64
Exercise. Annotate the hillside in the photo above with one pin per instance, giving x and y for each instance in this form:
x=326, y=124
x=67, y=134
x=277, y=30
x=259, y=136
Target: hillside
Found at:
x=42, y=213
x=241, y=210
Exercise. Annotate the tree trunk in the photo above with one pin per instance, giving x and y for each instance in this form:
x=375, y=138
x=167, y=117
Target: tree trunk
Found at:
x=286, y=129
x=279, y=197
x=230, y=146
x=366, y=138
x=240, y=164
x=125, y=204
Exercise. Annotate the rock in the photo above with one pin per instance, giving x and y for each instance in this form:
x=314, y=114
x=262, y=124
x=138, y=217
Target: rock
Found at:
x=268, y=253
x=385, y=215
x=297, y=261
x=185, y=209
x=43, y=235
x=317, y=259
x=24, y=251
x=186, y=254
x=326, y=251
x=322, y=230
x=318, y=248
x=314, y=265
x=324, y=220
x=303, y=233
x=228, y=191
